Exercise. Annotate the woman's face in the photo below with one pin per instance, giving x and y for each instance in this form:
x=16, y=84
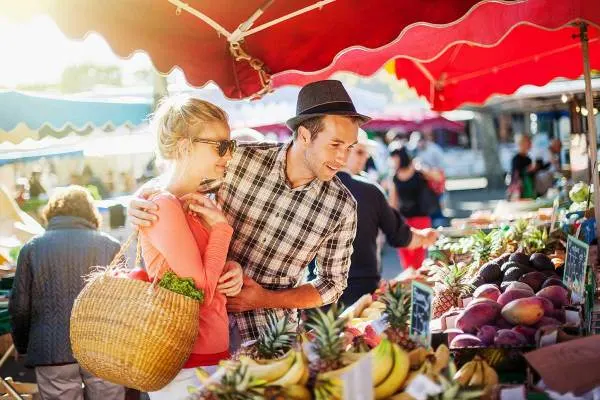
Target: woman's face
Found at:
x=204, y=161
x=524, y=146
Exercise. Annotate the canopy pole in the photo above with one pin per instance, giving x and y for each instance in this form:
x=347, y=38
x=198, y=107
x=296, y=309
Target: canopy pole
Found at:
x=317, y=5
x=240, y=31
x=181, y=5
x=592, y=133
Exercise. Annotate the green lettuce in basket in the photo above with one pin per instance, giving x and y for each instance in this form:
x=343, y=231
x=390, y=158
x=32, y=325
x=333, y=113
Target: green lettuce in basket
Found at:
x=184, y=286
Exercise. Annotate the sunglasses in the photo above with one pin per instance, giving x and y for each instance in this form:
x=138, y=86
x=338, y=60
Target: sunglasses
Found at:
x=223, y=146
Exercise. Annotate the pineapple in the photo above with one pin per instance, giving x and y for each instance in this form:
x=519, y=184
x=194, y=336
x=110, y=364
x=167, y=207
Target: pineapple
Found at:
x=515, y=234
x=236, y=384
x=397, y=311
x=276, y=339
x=450, y=285
x=534, y=240
x=487, y=246
x=328, y=341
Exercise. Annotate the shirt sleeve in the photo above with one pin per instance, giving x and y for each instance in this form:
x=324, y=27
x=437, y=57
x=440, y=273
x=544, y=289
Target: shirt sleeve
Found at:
x=333, y=259
x=172, y=237
x=391, y=222
x=19, y=306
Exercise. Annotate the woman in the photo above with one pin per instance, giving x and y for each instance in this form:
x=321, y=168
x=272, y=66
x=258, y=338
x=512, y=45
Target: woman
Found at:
x=193, y=137
x=49, y=276
x=522, y=172
x=416, y=201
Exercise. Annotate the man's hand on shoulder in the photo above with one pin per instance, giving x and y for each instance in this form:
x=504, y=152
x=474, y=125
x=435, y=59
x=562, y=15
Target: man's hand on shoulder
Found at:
x=141, y=211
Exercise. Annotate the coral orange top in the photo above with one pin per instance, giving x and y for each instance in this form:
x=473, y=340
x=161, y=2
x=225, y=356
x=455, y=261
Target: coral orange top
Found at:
x=178, y=241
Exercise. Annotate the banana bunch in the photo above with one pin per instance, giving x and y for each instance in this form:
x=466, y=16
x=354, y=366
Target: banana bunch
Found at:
x=476, y=372
x=289, y=370
x=286, y=376
x=390, y=368
x=428, y=363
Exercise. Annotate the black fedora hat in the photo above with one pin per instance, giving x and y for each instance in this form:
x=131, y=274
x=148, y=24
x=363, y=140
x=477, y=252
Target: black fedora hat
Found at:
x=321, y=98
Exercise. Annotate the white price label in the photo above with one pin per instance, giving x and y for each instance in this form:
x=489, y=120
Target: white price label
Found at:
x=380, y=325
x=421, y=387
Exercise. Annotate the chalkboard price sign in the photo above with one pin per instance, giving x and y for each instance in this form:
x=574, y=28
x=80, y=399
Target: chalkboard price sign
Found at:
x=420, y=313
x=575, y=267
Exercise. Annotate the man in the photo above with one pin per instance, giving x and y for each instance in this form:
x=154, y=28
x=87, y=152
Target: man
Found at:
x=287, y=207
x=374, y=213
x=428, y=152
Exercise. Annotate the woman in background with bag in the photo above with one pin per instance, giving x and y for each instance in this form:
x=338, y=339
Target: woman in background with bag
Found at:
x=522, y=172
x=411, y=194
x=49, y=276
x=193, y=136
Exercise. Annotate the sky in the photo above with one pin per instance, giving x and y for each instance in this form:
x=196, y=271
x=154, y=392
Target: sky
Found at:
x=36, y=52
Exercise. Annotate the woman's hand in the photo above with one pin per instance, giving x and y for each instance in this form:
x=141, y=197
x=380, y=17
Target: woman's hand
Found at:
x=231, y=280
x=205, y=208
x=141, y=211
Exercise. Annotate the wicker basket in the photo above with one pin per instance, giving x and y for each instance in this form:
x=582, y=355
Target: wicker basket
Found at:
x=131, y=332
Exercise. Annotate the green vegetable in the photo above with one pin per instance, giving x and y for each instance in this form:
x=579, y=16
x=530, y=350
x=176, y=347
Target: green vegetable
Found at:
x=580, y=192
x=184, y=286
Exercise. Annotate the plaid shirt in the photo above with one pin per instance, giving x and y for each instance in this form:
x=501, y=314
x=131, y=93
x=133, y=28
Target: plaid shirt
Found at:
x=278, y=230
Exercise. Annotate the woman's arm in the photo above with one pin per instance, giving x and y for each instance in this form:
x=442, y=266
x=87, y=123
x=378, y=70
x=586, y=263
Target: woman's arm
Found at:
x=172, y=237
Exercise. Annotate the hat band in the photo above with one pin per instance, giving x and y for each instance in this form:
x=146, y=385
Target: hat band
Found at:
x=333, y=107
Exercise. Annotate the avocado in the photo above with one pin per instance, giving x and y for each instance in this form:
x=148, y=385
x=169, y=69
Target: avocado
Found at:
x=541, y=262
x=513, y=274
x=520, y=258
x=490, y=272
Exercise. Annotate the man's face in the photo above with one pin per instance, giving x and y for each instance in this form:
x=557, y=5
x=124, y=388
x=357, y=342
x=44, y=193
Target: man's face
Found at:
x=357, y=160
x=328, y=152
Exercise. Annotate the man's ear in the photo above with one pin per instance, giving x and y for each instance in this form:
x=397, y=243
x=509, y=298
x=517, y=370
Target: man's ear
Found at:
x=304, y=135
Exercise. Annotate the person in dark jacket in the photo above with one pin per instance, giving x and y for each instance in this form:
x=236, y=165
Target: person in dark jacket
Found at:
x=412, y=196
x=374, y=214
x=50, y=274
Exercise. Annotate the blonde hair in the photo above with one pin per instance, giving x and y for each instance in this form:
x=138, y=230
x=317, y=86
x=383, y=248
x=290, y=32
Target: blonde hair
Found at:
x=173, y=119
x=72, y=201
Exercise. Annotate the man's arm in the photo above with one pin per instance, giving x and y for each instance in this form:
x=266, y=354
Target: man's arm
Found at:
x=253, y=296
x=333, y=263
x=333, y=259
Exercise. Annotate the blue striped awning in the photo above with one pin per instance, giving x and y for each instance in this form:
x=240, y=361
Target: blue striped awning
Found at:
x=38, y=111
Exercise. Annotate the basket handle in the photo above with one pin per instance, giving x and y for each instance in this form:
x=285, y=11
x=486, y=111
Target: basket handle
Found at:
x=123, y=249
x=138, y=255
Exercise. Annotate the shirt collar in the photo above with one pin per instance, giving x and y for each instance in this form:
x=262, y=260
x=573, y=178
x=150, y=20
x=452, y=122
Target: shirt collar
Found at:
x=279, y=168
x=69, y=222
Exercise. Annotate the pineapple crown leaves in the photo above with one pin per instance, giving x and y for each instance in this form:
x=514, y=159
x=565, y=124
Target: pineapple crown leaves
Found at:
x=277, y=337
x=238, y=384
x=517, y=230
x=454, y=277
x=328, y=330
x=488, y=244
x=535, y=239
x=397, y=306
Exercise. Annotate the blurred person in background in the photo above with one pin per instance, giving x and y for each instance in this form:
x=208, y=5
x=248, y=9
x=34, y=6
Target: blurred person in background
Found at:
x=110, y=183
x=412, y=196
x=373, y=214
x=50, y=274
x=21, y=191
x=522, y=172
x=36, y=189
x=93, y=183
x=429, y=161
